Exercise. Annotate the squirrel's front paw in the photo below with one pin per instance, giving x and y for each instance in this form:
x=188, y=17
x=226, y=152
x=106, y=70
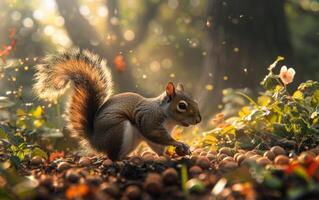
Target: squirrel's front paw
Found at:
x=182, y=149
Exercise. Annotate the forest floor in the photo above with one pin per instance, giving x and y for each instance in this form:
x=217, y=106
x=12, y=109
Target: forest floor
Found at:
x=206, y=174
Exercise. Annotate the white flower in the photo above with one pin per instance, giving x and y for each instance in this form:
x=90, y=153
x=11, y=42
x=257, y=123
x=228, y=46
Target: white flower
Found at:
x=287, y=75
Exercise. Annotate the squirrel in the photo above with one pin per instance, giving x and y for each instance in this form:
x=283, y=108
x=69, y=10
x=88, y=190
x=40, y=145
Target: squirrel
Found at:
x=113, y=124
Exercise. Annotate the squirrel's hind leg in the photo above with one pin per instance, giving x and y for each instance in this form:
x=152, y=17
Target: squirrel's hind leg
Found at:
x=117, y=140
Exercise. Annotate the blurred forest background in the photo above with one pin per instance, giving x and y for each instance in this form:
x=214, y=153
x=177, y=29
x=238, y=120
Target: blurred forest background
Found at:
x=208, y=45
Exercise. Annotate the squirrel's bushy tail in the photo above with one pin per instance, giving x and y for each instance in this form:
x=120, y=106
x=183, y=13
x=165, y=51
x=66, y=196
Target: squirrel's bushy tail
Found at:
x=91, y=81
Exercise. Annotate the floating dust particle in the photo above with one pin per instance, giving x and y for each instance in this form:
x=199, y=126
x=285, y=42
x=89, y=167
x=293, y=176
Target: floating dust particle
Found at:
x=172, y=75
x=225, y=78
x=26, y=68
x=209, y=23
x=245, y=70
x=16, y=69
x=209, y=87
x=236, y=49
x=144, y=76
x=204, y=53
x=210, y=74
x=14, y=79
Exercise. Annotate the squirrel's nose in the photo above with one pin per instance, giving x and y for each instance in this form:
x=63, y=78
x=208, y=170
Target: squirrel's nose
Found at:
x=198, y=119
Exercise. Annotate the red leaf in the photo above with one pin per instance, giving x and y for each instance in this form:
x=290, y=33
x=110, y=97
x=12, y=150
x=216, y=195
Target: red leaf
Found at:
x=119, y=63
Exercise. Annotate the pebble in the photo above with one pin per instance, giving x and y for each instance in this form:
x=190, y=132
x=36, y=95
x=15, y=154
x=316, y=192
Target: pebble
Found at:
x=36, y=160
x=63, y=166
x=170, y=176
x=153, y=184
x=203, y=162
x=281, y=160
x=133, y=192
x=270, y=155
x=277, y=150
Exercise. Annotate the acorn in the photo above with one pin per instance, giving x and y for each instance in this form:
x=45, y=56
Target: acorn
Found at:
x=236, y=156
x=241, y=158
x=281, y=160
x=110, y=189
x=84, y=161
x=213, y=152
x=170, y=176
x=107, y=163
x=227, y=166
x=94, y=180
x=46, y=181
x=249, y=154
x=203, y=162
x=36, y=160
x=153, y=184
x=195, y=170
x=63, y=166
x=133, y=192
x=221, y=156
x=263, y=161
x=226, y=150
x=248, y=162
x=228, y=158
x=72, y=176
x=203, y=153
x=211, y=156
x=148, y=157
x=194, y=185
x=270, y=155
x=277, y=150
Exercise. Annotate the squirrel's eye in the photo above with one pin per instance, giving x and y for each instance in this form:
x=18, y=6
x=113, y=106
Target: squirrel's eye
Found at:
x=182, y=106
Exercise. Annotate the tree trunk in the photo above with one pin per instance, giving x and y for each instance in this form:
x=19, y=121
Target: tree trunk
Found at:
x=244, y=37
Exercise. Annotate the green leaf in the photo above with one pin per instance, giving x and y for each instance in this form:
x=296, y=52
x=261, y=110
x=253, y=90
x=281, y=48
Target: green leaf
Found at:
x=39, y=152
x=15, y=161
x=270, y=82
x=184, y=178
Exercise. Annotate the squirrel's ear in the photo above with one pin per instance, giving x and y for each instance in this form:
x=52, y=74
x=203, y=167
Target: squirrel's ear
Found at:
x=180, y=87
x=170, y=89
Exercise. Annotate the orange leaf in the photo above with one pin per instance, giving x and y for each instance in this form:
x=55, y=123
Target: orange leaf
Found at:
x=76, y=191
x=56, y=155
